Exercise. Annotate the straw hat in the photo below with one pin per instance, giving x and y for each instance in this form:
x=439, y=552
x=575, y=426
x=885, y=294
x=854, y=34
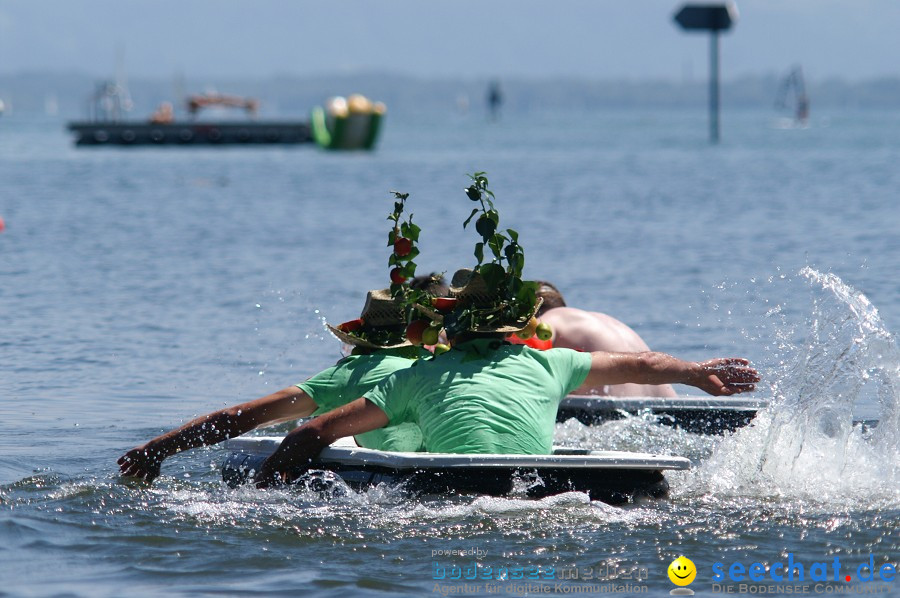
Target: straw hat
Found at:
x=471, y=291
x=381, y=317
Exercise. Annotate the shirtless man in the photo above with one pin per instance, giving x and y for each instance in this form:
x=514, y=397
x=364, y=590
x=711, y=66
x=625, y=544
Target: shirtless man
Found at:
x=593, y=331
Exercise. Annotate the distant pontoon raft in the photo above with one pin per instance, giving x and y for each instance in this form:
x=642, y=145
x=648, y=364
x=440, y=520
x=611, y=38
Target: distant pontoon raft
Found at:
x=191, y=133
x=355, y=128
x=610, y=476
x=106, y=128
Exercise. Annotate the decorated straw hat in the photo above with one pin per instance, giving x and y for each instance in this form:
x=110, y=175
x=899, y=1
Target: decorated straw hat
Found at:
x=492, y=306
x=381, y=324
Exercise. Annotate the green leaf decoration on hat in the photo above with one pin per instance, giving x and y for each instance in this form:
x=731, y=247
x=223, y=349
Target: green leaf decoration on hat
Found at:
x=513, y=298
x=394, y=305
x=403, y=237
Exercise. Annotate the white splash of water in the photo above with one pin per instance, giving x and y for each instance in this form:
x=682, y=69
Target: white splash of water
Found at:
x=641, y=432
x=562, y=508
x=805, y=445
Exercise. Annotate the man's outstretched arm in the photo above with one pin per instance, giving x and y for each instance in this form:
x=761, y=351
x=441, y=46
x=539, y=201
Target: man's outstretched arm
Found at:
x=144, y=461
x=305, y=443
x=719, y=377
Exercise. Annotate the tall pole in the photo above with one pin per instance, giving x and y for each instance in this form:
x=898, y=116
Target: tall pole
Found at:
x=714, y=86
x=714, y=18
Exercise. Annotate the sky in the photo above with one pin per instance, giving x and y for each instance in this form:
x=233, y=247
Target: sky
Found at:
x=590, y=39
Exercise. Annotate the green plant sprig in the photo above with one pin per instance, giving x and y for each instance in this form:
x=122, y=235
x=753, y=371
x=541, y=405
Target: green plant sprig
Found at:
x=403, y=228
x=517, y=296
x=502, y=247
x=404, y=265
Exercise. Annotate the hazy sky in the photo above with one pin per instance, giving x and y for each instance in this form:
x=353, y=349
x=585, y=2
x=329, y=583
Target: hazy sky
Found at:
x=854, y=39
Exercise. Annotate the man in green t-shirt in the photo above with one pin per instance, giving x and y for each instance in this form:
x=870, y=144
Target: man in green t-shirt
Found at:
x=379, y=349
x=486, y=396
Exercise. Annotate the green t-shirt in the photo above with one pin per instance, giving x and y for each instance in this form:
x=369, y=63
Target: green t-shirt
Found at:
x=354, y=376
x=484, y=396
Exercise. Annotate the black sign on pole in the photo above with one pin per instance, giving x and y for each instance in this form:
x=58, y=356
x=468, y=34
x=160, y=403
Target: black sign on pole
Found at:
x=713, y=18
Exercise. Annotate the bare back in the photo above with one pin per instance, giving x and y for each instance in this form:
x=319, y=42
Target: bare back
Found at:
x=593, y=331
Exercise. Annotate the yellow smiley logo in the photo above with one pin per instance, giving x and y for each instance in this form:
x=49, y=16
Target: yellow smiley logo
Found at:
x=682, y=571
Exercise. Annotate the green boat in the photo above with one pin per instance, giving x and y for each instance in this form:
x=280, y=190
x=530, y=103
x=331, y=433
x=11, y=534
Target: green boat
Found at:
x=347, y=124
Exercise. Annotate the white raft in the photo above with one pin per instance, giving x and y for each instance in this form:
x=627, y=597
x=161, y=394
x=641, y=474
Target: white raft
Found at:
x=702, y=415
x=610, y=476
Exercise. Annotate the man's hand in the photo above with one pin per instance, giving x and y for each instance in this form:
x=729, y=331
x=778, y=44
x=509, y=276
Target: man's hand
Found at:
x=302, y=445
x=283, y=465
x=267, y=477
x=725, y=376
x=289, y=403
x=141, y=462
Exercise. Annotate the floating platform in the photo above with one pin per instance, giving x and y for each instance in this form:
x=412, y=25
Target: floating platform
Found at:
x=701, y=415
x=191, y=133
x=609, y=476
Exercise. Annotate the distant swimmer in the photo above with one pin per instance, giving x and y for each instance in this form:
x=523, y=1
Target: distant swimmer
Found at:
x=494, y=99
x=594, y=331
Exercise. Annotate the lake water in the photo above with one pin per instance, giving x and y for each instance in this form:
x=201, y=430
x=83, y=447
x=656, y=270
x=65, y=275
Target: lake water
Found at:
x=142, y=287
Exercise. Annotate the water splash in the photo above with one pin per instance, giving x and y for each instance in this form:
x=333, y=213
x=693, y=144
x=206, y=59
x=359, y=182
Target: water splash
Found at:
x=641, y=432
x=805, y=445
